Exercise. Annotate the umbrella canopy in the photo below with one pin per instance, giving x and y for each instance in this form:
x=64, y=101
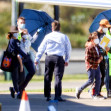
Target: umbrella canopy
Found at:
x=37, y=20
x=103, y=15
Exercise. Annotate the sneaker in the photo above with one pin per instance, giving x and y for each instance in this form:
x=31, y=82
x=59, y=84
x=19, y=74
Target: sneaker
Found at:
x=12, y=92
x=98, y=97
x=101, y=96
x=48, y=99
x=60, y=99
x=78, y=92
x=109, y=93
x=19, y=95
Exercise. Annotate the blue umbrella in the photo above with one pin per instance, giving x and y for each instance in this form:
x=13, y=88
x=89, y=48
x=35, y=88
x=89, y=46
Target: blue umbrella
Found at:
x=103, y=15
x=37, y=21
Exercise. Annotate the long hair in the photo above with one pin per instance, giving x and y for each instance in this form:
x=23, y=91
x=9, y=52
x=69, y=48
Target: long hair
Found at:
x=91, y=36
x=9, y=35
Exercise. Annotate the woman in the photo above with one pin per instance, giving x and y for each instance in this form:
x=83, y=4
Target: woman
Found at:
x=14, y=48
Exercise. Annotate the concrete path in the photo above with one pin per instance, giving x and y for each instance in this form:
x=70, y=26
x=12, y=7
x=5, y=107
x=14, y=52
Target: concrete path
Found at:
x=40, y=85
x=38, y=102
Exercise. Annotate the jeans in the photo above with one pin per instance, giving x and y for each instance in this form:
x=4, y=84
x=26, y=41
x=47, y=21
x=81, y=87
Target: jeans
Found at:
x=93, y=74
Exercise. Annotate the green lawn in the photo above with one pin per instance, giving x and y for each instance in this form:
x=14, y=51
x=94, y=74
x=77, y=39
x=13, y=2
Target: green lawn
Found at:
x=66, y=77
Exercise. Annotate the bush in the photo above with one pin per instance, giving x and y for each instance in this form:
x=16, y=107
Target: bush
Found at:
x=67, y=27
x=3, y=41
x=77, y=40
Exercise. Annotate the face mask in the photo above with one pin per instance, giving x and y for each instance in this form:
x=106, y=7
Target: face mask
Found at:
x=22, y=26
x=105, y=30
x=96, y=41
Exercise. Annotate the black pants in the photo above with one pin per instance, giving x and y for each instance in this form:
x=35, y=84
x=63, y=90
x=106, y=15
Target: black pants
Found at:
x=102, y=70
x=29, y=64
x=17, y=78
x=54, y=64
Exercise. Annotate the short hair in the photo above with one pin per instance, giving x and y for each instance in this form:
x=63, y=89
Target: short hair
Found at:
x=22, y=18
x=56, y=25
x=91, y=36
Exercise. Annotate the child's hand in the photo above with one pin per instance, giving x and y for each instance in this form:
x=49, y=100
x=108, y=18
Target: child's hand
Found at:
x=100, y=59
x=107, y=49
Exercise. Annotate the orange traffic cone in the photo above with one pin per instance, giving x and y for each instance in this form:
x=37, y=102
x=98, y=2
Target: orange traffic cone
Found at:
x=24, y=105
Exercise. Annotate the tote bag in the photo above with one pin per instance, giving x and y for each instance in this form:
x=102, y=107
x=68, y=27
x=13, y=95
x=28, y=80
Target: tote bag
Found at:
x=6, y=62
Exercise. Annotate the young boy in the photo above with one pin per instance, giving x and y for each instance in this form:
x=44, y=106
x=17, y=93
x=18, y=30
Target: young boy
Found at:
x=92, y=60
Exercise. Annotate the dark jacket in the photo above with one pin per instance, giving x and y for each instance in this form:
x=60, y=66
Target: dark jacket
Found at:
x=14, y=48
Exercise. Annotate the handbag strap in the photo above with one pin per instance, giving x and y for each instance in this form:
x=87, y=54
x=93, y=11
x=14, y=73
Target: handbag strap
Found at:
x=8, y=45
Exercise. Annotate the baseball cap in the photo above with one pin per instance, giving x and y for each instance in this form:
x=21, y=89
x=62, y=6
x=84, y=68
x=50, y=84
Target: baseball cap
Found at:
x=105, y=22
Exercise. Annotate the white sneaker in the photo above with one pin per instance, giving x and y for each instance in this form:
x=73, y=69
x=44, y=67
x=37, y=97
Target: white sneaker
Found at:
x=98, y=97
x=77, y=93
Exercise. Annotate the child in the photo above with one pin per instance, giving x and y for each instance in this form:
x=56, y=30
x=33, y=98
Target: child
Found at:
x=92, y=59
x=19, y=57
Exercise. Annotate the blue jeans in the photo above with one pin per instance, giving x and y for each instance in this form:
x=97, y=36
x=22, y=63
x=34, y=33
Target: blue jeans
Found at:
x=93, y=74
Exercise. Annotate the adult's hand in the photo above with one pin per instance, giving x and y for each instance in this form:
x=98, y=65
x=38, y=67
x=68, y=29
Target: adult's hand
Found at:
x=25, y=31
x=66, y=64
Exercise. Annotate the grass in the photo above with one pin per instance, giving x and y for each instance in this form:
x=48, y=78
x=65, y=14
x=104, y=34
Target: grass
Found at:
x=66, y=77
x=52, y=90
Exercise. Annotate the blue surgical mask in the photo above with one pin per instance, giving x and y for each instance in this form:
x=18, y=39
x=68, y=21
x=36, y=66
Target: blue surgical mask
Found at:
x=22, y=26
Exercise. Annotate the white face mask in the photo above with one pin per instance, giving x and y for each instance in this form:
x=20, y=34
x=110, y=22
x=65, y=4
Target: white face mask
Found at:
x=22, y=26
x=96, y=41
x=105, y=30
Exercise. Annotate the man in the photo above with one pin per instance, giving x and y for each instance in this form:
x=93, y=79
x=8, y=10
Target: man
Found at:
x=27, y=61
x=55, y=45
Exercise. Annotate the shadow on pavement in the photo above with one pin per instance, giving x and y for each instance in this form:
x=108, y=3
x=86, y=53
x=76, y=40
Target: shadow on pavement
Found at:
x=38, y=103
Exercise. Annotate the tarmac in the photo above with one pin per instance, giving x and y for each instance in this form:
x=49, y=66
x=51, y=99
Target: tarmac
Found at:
x=38, y=101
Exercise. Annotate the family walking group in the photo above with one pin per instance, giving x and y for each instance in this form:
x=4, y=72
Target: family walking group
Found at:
x=57, y=48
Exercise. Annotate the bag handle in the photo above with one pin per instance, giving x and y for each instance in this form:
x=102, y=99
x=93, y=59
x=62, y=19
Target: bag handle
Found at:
x=8, y=45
